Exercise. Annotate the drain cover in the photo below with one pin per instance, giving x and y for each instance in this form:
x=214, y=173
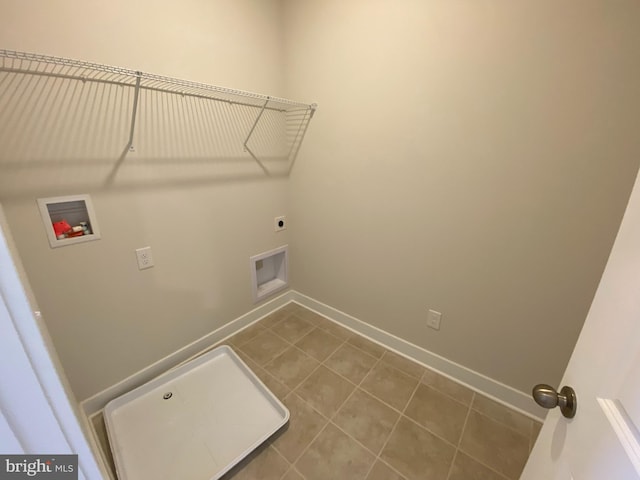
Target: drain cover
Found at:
x=167, y=395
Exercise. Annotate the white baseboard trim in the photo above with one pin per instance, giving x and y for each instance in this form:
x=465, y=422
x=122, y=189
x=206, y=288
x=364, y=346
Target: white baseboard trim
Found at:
x=95, y=403
x=478, y=382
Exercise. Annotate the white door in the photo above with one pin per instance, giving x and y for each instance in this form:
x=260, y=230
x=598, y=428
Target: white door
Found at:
x=601, y=442
x=37, y=413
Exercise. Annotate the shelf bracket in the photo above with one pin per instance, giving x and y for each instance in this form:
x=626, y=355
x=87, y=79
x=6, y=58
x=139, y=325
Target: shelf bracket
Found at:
x=246, y=147
x=129, y=146
x=134, y=113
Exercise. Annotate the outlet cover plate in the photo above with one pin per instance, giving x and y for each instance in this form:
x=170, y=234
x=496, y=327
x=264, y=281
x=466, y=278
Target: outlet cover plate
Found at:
x=280, y=223
x=145, y=258
x=433, y=319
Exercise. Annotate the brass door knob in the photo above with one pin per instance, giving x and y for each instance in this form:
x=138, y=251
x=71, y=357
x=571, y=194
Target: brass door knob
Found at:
x=547, y=397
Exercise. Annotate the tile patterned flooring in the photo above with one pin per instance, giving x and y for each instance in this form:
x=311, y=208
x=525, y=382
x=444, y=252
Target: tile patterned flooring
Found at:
x=359, y=411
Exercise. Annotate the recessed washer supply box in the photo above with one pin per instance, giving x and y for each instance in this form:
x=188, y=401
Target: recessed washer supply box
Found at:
x=269, y=272
x=73, y=209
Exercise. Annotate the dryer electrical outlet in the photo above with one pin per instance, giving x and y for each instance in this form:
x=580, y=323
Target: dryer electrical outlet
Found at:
x=280, y=223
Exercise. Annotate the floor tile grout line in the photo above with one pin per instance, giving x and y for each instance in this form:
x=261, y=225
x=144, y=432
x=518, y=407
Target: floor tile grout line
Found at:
x=307, y=333
x=292, y=392
x=419, y=377
x=449, y=397
x=353, y=332
x=333, y=335
x=394, y=428
x=305, y=449
x=510, y=410
x=295, y=389
x=363, y=350
x=356, y=386
x=320, y=364
x=473, y=392
x=480, y=462
x=267, y=330
x=486, y=415
x=437, y=435
x=289, y=465
x=291, y=468
x=319, y=361
x=401, y=412
x=464, y=426
x=274, y=378
x=453, y=462
x=390, y=467
x=373, y=454
x=415, y=389
x=459, y=449
x=395, y=409
x=345, y=341
x=376, y=456
x=290, y=344
x=286, y=339
x=228, y=340
x=342, y=342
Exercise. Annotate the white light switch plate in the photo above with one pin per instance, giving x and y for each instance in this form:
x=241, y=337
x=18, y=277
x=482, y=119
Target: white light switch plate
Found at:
x=145, y=259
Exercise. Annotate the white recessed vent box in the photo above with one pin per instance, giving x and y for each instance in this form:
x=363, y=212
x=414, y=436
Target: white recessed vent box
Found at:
x=69, y=220
x=269, y=272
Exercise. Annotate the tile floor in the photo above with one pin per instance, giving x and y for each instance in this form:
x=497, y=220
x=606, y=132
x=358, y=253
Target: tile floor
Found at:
x=359, y=411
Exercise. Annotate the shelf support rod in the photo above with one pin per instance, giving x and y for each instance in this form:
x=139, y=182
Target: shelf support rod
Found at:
x=246, y=147
x=129, y=146
x=134, y=113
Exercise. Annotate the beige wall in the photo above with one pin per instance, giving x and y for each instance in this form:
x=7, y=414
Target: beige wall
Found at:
x=474, y=157
x=202, y=217
x=471, y=157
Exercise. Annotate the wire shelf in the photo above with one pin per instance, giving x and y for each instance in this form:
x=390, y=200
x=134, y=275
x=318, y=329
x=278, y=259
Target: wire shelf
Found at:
x=275, y=129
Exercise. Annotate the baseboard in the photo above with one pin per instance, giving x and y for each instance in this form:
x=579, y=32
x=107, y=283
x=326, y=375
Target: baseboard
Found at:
x=95, y=403
x=478, y=382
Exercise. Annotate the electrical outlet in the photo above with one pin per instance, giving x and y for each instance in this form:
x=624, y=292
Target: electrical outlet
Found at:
x=433, y=319
x=145, y=259
x=280, y=223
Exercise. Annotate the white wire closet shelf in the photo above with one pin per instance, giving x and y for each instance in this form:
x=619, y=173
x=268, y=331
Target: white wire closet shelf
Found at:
x=263, y=127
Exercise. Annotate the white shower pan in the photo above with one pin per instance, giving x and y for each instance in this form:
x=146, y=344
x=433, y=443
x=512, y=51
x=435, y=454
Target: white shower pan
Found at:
x=193, y=423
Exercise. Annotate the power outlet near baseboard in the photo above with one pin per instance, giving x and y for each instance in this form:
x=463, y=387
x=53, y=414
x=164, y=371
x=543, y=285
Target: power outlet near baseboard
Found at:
x=433, y=319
